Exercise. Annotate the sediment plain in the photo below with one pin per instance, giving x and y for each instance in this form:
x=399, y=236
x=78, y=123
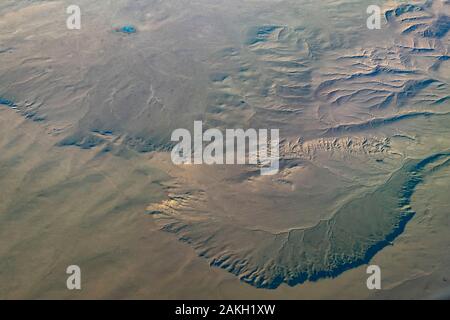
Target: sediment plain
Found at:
x=85, y=170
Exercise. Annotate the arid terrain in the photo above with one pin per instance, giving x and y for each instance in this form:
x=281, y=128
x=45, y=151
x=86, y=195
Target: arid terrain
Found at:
x=86, y=176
